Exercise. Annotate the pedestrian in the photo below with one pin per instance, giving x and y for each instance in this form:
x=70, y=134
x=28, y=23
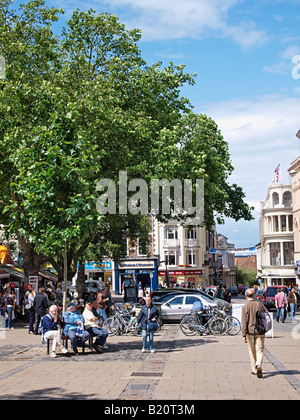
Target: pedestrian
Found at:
x=29, y=307
x=72, y=320
x=2, y=305
x=148, y=316
x=40, y=307
x=50, y=324
x=292, y=300
x=10, y=306
x=102, y=300
x=92, y=319
x=219, y=294
x=281, y=305
x=255, y=340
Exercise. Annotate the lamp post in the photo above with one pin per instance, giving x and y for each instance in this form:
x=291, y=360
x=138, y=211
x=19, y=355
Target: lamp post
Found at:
x=65, y=279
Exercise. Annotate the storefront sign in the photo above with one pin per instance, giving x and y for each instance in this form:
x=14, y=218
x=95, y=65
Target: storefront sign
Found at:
x=136, y=264
x=98, y=266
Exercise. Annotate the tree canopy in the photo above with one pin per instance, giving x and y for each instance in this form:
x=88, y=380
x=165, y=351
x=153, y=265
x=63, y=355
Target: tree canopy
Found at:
x=83, y=105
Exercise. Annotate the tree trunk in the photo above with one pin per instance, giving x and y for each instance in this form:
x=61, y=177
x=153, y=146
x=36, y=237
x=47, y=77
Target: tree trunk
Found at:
x=80, y=283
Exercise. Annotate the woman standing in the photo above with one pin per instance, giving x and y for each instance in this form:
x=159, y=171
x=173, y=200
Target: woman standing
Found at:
x=148, y=315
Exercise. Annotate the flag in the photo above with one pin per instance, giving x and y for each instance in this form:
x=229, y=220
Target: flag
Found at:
x=277, y=172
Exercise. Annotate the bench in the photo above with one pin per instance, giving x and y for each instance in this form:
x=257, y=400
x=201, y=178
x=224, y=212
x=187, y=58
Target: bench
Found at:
x=65, y=339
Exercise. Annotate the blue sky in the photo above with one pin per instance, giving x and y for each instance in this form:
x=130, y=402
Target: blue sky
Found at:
x=242, y=52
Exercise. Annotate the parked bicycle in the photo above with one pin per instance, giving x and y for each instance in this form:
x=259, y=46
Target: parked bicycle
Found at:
x=203, y=322
x=122, y=323
x=233, y=324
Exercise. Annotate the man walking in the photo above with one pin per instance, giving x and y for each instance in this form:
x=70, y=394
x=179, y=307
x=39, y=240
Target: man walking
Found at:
x=256, y=341
x=281, y=304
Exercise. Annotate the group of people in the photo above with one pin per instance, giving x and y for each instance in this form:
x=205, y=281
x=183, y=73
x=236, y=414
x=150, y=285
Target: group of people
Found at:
x=76, y=325
x=79, y=327
x=286, y=303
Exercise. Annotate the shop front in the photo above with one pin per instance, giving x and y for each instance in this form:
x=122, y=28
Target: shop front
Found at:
x=183, y=278
x=131, y=273
x=102, y=271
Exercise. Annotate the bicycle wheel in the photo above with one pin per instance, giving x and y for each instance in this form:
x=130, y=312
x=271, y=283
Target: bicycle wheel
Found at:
x=217, y=326
x=188, y=325
x=233, y=325
x=112, y=325
x=137, y=330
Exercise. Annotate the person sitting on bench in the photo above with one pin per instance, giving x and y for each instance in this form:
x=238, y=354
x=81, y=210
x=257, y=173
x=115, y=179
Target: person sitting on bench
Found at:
x=72, y=320
x=50, y=324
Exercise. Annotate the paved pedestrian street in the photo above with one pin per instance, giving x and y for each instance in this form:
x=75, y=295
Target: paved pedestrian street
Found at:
x=182, y=368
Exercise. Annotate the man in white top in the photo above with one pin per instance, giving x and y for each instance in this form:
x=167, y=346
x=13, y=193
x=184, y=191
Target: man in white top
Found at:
x=92, y=325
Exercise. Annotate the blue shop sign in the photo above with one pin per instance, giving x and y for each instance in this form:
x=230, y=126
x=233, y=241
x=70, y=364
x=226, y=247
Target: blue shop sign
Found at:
x=98, y=266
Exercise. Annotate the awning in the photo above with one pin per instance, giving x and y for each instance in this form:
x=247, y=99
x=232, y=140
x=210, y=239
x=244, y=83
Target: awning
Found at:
x=5, y=255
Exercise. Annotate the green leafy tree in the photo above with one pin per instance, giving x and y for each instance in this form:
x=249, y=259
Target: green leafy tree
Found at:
x=82, y=106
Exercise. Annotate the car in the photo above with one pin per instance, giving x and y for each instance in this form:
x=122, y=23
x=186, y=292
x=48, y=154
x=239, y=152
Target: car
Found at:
x=158, y=294
x=270, y=293
x=174, y=308
x=155, y=296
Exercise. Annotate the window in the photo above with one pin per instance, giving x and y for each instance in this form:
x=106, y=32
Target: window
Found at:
x=176, y=301
x=287, y=199
x=191, y=234
x=288, y=253
x=275, y=197
x=275, y=253
x=142, y=247
x=276, y=224
x=283, y=223
x=290, y=223
x=171, y=232
x=171, y=258
x=189, y=300
x=191, y=257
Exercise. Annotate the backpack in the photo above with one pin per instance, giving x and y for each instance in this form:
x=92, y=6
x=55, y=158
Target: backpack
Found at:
x=263, y=320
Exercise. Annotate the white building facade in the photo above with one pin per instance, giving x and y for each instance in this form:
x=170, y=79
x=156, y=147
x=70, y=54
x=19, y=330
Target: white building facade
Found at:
x=276, y=251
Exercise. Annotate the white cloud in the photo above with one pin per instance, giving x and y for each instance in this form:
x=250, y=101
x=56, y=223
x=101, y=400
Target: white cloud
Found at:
x=261, y=133
x=176, y=19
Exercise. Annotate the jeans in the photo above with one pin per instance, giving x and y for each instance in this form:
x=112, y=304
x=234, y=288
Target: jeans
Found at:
x=280, y=314
x=144, y=335
x=103, y=313
x=293, y=310
x=101, y=334
x=74, y=339
x=9, y=312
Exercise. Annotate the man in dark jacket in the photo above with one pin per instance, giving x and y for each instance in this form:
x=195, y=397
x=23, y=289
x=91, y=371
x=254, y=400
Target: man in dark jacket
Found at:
x=40, y=306
x=50, y=325
x=148, y=314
